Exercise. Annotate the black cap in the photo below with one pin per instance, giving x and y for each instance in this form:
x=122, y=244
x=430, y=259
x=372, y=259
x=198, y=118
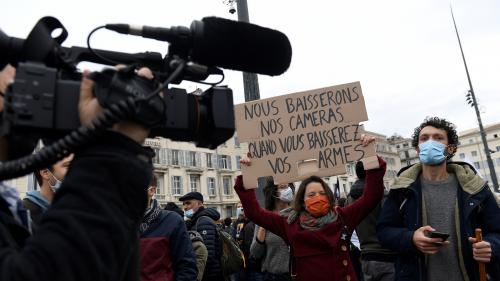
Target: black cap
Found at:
x=192, y=195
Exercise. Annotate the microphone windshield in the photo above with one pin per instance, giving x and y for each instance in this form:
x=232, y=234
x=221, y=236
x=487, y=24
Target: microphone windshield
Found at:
x=240, y=46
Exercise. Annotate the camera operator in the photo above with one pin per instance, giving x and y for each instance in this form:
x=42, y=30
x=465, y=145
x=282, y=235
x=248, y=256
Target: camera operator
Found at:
x=90, y=231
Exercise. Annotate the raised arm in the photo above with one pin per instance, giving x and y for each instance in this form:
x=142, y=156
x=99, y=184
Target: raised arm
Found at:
x=372, y=195
x=268, y=220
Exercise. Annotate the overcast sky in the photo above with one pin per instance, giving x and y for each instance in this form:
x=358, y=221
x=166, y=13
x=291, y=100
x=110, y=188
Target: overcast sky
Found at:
x=404, y=53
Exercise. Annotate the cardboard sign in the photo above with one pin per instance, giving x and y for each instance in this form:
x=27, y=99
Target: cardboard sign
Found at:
x=294, y=136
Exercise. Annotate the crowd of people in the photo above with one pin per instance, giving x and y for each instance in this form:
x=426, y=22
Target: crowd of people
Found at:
x=94, y=217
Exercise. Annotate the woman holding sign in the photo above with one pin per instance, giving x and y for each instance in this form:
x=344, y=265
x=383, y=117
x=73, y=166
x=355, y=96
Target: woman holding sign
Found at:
x=318, y=233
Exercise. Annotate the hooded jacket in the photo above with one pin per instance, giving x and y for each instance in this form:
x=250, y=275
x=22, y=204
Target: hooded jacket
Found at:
x=36, y=204
x=203, y=221
x=476, y=207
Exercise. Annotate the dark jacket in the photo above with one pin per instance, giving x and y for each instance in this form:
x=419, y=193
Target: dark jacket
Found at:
x=402, y=215
x=90, y=231
x=203, y=221
x=371, y=250
x=166, y=251
x=322, y=254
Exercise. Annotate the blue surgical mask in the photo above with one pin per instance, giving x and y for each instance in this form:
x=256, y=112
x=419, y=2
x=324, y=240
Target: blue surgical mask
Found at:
x=432, y=152
x=286, y=195
x=189, y=213
x=56, y=185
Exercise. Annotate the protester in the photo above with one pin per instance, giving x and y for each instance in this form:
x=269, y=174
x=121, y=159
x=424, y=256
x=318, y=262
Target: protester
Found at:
x=377, y=262
x=202, y=220
x=49, y=180
x=317, y=233
x=437, y=195
x=90, y=231
x=267, y=247
x=166, y=251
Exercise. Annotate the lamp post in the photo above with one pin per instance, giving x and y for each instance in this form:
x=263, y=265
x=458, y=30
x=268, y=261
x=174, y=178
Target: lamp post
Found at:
x=471, y=100
x=250, y=80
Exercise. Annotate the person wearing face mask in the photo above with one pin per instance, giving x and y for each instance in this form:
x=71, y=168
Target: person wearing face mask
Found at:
x=317, y=231
x=268, y=248
x=439, y=195
x=49, y=180
x=202, y=220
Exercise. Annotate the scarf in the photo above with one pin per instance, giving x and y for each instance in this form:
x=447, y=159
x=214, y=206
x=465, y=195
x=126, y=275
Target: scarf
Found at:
x=306, y=220
x=150, y=216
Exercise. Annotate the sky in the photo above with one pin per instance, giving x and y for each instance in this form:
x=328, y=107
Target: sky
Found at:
x=404, y=53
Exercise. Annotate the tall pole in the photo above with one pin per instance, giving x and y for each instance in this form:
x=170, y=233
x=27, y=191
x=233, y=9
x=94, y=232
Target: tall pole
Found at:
x=493, y=175
x=250, y=81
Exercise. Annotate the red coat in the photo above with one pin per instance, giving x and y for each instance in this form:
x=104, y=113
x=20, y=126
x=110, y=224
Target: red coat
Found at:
x=320, y=255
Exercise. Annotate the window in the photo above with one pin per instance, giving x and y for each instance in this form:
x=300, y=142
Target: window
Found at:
x=462, y=155
x=192, y=159
x=226, y=184
x=230, y=211
x=495, y=135
x=471, y=140
x=209, y=160
x=498, y=148
x=176, y=185
x=474, y=153
x=407, y=154
x=175, y=157
x=238, y=165
x=397, y=146
x=211, y=186
x=405, y=145
x=498, y=162
x=476, y=165
x=236, y=142
x=160, y=188
x=391, y=161
x=156, y=159
x=225, y=162
x=194, y=181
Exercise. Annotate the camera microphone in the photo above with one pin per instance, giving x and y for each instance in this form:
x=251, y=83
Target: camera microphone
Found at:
x=224, y=43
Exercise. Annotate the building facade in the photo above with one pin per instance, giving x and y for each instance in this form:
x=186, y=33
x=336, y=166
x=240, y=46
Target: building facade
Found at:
x=182, y=167
x=471, y=149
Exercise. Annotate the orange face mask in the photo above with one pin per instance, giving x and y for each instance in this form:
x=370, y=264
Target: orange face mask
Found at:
x=318, y=205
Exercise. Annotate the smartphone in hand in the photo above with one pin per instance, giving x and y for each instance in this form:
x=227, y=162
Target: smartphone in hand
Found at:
x=436, y=234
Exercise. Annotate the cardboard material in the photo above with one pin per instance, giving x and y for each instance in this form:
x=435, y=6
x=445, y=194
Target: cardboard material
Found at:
x=292, y=137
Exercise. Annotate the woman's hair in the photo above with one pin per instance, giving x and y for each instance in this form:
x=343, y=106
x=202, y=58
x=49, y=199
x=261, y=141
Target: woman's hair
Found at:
x=271, y=192
x=299, y=205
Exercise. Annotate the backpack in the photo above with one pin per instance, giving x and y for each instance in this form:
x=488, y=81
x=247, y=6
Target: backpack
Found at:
x=232, y=259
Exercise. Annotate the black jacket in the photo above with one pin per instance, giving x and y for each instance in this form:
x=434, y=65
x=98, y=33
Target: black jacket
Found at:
x=203, y=222
x=90, y=231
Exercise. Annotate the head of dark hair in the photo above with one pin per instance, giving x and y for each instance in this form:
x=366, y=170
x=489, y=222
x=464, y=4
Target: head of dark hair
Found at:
x=38, y=175
x=228, y=221
x=271, y=193
x=299, y=205
x=438, y=123
x=171, y=206
x=360, y=170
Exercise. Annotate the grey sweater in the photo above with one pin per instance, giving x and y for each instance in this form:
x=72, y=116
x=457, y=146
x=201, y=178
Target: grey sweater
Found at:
x=274, y=253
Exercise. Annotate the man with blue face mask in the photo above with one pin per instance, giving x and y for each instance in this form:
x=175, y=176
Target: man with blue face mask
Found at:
x=201, y=219
x=49, y=180
x=433, y=209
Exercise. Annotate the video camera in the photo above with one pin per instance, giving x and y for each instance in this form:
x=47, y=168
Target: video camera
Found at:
x=43, y=100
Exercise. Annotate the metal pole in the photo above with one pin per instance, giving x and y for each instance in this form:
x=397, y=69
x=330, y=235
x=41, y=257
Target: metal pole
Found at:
x=250, y=81
x=493, y=174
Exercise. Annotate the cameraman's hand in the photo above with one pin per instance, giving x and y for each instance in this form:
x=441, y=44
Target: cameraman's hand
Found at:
x=89, y=109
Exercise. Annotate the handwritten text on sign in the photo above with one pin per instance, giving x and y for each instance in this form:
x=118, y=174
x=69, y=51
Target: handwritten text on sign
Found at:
x=294, y=136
